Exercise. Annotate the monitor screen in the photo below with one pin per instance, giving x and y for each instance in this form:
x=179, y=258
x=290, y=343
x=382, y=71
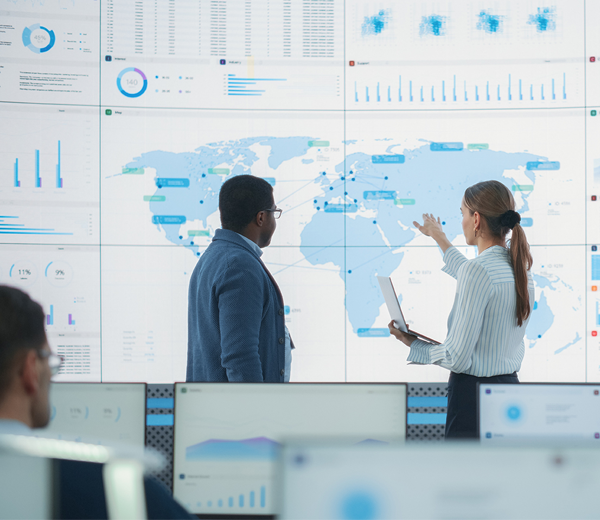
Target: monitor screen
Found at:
x=27, y=487
x=227, y=435
x=539, y=410
x=438, y=481
x=98, y=413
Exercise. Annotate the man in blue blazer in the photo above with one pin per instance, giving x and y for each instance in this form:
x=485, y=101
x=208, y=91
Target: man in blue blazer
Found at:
x=236, y=318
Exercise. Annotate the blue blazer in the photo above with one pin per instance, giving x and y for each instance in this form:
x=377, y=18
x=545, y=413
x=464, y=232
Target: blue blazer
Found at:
x=236, y=322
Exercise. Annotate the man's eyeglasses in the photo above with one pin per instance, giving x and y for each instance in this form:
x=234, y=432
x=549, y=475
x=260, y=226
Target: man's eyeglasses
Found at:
x=54, y=361
x=276, y=212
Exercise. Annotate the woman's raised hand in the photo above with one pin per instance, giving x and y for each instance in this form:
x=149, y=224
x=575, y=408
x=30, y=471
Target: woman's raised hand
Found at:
x=432, y=227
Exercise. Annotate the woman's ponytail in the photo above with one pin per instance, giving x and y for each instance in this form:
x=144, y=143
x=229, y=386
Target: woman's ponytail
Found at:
x=521, y=262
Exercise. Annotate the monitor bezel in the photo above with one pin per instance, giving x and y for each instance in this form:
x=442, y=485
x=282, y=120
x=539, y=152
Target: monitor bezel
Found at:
x=226, y=516
x=145, y=385
x=537, y=383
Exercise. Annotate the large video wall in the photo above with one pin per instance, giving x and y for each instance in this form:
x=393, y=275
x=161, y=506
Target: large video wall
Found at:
x=120, y=120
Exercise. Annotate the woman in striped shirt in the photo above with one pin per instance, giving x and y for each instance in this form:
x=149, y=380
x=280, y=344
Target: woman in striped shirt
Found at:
x=493, y=303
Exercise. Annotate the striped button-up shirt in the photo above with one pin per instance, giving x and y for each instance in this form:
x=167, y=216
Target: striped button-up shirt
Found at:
x=483, y=336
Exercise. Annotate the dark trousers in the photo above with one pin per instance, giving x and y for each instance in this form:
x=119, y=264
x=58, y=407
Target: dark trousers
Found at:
x=461, y=420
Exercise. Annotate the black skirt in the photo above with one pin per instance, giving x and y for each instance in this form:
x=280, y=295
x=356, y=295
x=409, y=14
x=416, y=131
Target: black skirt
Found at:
x=461, y=419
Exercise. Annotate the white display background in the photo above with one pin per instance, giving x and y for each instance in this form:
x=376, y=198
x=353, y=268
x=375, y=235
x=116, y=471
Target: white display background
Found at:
x=141, y=94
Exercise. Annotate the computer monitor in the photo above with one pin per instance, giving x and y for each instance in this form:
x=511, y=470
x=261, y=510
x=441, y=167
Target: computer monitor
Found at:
x=438, y=481
x=227, y=435
x=536, y=410
x=98, y=413
x=27, y=487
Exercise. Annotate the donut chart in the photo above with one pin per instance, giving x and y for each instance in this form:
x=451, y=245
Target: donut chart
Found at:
x=132, y=82
x=38, y=39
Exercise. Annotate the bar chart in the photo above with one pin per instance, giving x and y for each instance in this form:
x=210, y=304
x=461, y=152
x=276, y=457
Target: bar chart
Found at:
x=66, y=281
x=322, y=84
x=37, y=176
x=412, y=90
x=69, y=320
x=241, y=86
x=48, y=174
x=246, y=501
x=53, y=148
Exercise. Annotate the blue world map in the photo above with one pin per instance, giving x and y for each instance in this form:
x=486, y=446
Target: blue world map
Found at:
x=363, y=213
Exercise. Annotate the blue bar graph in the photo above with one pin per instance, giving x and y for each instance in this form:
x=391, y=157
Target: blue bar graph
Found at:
x=59, y=181
x=17, y=181
x=454, y=89
x=38, y=180
x=503, y=90
x=16, y=228
x=253, y=500
x=239, y=86
x=520, y=90
x=50, y=317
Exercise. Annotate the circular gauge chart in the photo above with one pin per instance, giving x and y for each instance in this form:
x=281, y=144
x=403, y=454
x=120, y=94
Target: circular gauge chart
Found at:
x=38, y=39
x=23, y=273
x=132, y=82
x=59, y=273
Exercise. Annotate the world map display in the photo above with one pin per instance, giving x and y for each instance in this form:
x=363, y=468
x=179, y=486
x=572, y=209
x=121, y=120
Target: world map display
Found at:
x=359, y=219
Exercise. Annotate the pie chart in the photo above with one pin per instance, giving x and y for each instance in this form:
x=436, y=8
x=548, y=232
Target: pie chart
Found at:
x=38, y=39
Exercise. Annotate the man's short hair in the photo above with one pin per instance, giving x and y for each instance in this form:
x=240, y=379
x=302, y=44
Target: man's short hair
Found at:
x=241, y=198
x=21, y=329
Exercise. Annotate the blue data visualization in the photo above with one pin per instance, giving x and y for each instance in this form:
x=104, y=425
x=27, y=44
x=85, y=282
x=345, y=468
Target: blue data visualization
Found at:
x=121, y=122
